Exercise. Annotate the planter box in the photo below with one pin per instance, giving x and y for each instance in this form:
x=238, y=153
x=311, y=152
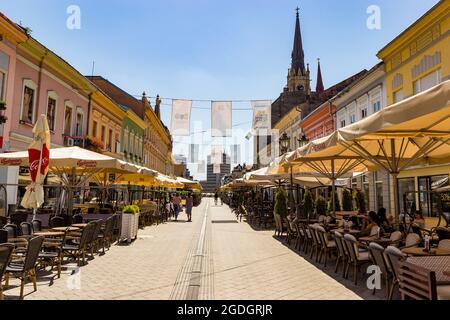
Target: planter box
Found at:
x=130, y=226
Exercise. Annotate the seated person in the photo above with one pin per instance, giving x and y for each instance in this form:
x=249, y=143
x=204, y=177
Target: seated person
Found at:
x=384, y=223
x=373, y=222
x=419, y=220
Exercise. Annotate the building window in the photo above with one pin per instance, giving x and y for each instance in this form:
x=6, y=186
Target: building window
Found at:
x=110, y=140
x=376, y=106
x=51, y=110
x=363, y=113
x=352, y=118
x=398, y=96
x=407, y=194
x=68, y=120
x=427, y=82
x=379, y=191
x=28, y=102
x=102, y=134
x=342, y=123
x=2, y=85
x=94, y=129
x=79, y=123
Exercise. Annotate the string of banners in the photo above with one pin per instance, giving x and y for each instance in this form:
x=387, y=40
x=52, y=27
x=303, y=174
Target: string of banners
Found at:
x=221, y=117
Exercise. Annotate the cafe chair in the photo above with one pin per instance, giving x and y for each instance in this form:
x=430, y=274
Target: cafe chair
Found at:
x=26, y=229
x=27, y=268
x=37, y=225
x=6, y=250
x=394, y=257
x=444, y=244
x=357, y=257
x=342, y=254
x=327, y=246
x=418, y=283
x=412, y=240
x=78, y=218
x=379, y=258
x=57, y=222
x=395, y=238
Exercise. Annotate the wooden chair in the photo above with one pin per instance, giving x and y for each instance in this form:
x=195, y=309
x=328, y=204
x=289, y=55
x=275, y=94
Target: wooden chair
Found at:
x=416, y=283
x=6, y=250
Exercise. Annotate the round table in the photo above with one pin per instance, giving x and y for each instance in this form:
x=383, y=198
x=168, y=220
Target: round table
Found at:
x=63, y=229
x=79, y=225
x=351, y=231
x=49, y=234
x=416, y=251
x=381, y=241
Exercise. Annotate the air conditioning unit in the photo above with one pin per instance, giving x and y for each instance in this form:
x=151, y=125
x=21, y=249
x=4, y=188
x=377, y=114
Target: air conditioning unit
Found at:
x=68, y=142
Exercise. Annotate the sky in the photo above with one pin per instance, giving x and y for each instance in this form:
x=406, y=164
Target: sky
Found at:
x=213, y=49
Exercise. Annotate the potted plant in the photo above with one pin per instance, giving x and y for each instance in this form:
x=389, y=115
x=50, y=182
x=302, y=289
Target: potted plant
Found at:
x=337, y=203
x=308, y=204
x=360, y=199
x=130, y=223
x=321, y=206
x=347, y=200
x=281, y=207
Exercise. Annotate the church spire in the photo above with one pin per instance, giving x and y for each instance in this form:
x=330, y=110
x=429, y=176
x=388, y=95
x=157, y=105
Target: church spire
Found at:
x=298, y=56
x=319, y=85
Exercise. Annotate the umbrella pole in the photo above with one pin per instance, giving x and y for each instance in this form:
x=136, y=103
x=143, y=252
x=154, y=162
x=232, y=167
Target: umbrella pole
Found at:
x=291, y=191
x=333, y=187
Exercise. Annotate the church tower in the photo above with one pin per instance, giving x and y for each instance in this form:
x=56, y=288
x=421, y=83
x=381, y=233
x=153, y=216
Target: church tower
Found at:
x=298, y=76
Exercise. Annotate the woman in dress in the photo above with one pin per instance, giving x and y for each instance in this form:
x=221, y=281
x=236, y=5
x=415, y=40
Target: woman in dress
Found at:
x=189, y=206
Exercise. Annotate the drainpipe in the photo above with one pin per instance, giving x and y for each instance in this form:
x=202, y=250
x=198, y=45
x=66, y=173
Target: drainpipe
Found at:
x=38, y=95
x=88, y=116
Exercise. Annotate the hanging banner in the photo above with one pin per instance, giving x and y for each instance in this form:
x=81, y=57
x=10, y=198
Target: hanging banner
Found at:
x=193, y=153
x=235, y=153
x=216, y=155
x=216, y=168
x=181, y=117
x=262, y=115
x=221, y=118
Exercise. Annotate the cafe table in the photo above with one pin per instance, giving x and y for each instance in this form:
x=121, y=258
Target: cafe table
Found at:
x=49, y=234
x=439, y=264
x=79, y=225
x=419, y=251
x=381, y=241
x=351, y=231
x=63, y=229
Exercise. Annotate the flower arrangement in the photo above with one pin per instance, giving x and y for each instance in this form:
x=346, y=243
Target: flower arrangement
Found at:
x=131, y=209
x=94, y=144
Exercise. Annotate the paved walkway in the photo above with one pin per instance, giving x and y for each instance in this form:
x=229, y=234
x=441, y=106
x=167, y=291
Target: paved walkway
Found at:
x=214, y=257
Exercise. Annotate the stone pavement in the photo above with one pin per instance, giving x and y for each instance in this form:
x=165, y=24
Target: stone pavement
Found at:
x=214, y=257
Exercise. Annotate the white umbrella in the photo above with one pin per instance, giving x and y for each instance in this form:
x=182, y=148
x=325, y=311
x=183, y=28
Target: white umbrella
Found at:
x=39, y=158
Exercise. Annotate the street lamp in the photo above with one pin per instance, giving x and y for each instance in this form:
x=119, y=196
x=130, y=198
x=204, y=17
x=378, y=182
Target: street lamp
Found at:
x=303, y=141
x=284, y=143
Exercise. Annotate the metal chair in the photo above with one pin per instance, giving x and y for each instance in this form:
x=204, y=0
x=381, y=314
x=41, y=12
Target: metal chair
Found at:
x=27, y=269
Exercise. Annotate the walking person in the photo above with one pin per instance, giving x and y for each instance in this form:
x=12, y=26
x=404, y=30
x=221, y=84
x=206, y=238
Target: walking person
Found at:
x=216, y=197
x=189, y=206
x=176, y=201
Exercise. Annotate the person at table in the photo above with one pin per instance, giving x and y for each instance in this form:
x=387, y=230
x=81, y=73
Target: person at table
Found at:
x=189, y=206
x=373, y=222
x=383, y=222
x=419, y=220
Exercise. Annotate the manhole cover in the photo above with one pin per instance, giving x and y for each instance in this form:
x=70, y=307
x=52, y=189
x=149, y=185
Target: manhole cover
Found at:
x=224, y=221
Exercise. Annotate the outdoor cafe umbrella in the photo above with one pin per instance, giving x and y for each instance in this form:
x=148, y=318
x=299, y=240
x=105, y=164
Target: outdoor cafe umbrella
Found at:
x=415, y=131
x=38, y=154
x=189, y=183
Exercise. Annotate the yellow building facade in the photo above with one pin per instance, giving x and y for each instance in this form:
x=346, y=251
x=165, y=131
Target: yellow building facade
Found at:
x=105, y=125
x=157, y=141
x=416, y=60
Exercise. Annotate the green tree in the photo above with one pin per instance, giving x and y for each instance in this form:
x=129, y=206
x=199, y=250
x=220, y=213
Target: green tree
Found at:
x=347, y=200
x=281, y=207
x=337, y=203
x=361, y=201
x=321, y=206
x=308, y=204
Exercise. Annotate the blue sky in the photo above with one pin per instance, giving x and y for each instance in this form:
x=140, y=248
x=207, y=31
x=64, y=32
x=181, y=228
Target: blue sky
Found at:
x=213, y=49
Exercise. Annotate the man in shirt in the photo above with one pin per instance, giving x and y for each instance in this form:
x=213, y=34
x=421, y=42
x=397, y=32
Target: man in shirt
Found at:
x=176, y=201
